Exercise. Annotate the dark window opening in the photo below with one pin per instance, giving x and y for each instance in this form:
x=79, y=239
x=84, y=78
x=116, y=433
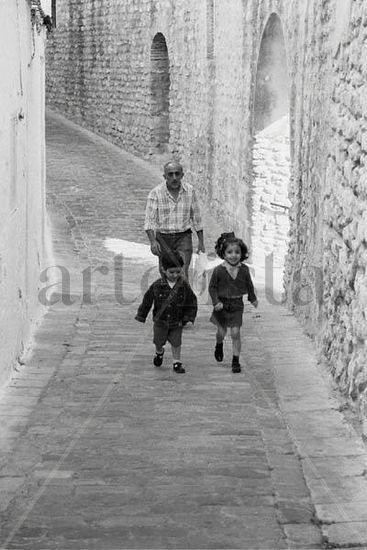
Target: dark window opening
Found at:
x=53, y=12
x=160, y=87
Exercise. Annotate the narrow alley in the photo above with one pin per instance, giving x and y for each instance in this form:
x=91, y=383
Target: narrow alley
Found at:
x=101, y=450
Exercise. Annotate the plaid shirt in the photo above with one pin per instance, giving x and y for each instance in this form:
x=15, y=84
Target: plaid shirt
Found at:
x=165, y=214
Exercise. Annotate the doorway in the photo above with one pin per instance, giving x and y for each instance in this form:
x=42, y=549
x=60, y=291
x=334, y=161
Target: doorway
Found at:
x=271, y=154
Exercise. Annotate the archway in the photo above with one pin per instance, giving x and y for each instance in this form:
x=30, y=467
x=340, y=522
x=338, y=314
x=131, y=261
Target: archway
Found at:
x=271, y=153
x=160, y=87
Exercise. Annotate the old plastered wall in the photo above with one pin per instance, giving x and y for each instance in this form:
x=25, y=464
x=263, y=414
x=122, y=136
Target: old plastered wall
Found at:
x=99, y=75
x=23, y=241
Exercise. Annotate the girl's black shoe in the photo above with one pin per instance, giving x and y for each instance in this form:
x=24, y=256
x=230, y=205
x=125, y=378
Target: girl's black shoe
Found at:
x=158, y=359
x=236, y=367
x=218, y=352
x=178, y=367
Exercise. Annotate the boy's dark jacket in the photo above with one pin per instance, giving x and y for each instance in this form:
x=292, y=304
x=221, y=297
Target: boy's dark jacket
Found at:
x=173, y=307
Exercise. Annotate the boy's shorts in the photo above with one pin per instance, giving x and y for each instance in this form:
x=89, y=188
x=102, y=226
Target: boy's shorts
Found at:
x=163, y=334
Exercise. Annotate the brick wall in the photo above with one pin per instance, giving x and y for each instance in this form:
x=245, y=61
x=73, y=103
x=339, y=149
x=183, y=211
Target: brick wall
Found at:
x=99, y=64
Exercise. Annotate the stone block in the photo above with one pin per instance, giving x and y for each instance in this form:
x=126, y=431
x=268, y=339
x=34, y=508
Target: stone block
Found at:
x=302, y=535
x=330, y=489
x=347, y=534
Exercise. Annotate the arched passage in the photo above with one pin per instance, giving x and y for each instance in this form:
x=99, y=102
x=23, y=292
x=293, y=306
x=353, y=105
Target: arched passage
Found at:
x=160, y=86
x=271, y=152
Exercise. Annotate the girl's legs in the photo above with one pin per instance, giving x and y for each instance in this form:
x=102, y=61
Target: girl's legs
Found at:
x=221, y=333
x=236, y=340
x=218, y=352
x=236, y=344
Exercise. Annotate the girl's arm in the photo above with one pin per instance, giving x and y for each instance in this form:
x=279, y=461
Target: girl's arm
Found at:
x=213, y=287
x=251, y=296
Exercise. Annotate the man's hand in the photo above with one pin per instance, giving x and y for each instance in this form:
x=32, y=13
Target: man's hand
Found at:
x=155, y=248
x=218, y=306
x=189, y=325
x=255, y=303
x=200, y=248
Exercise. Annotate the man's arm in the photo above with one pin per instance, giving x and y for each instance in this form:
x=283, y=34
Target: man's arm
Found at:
x=197, y=222
x=154, y=244
x=151, y=214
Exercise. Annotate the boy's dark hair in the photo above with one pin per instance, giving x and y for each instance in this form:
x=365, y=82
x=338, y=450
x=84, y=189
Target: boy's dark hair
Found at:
x=174, y=259
x=229, y=238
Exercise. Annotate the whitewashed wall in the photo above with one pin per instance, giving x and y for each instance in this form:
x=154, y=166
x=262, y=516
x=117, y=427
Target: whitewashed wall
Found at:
x=23, y=235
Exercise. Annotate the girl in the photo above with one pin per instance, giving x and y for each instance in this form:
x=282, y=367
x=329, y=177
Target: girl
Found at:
x=228, y=283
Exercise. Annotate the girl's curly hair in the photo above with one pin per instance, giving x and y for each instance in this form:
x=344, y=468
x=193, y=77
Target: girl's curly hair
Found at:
x=229, y=238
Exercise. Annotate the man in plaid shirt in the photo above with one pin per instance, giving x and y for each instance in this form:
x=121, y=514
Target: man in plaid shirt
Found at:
x=172, y=208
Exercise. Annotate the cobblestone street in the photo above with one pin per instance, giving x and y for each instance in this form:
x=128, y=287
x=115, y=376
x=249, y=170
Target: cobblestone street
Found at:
x=100, y=450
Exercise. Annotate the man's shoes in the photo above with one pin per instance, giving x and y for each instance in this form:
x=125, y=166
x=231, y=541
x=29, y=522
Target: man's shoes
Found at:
x=218, y=352
x=236, y=367
x=158, y=359
x=178, y=367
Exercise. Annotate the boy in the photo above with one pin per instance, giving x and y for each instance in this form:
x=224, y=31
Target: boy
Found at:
x=174, y=305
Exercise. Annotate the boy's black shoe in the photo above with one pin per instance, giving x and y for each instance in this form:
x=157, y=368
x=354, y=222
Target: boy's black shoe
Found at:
x=178, y=367
x=158, y=359
x=218, y=352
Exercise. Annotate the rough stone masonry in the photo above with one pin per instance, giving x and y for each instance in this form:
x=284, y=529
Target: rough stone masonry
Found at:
x=106, y=59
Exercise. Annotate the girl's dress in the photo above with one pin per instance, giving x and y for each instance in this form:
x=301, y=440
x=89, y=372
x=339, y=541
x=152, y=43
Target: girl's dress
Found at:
x=228, y=290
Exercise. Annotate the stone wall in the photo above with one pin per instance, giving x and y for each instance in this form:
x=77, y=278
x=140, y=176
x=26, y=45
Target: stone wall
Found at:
x=326, y=265
x=345, y=203
x=270, y=202
x=23, y=240
x=99, y=74
x=99, y=60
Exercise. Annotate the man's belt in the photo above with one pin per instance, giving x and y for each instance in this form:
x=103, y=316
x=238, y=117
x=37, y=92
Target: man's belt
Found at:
x=174, y=232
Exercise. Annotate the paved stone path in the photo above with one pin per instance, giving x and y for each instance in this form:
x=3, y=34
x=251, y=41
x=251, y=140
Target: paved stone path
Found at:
x=100, y=450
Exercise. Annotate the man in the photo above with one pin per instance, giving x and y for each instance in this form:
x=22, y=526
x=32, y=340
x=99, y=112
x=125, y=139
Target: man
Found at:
x=171, y=208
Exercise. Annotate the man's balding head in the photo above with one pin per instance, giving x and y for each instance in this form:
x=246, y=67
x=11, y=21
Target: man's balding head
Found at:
x=172, y=166
x=173, y=174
